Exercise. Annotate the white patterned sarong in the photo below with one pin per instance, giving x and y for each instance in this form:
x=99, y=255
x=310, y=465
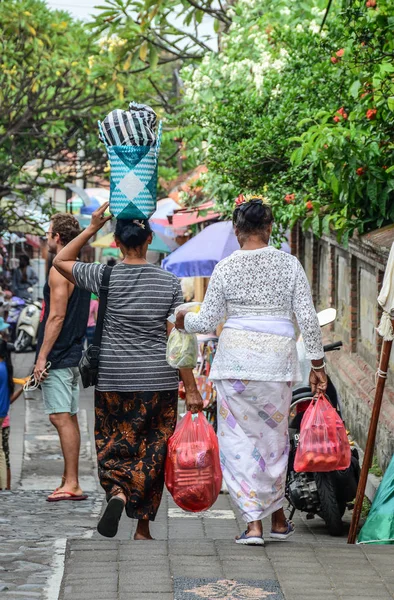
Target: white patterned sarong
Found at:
x=254, y=443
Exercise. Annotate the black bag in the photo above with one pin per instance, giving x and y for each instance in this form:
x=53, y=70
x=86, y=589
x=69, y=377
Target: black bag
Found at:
x=89, y=363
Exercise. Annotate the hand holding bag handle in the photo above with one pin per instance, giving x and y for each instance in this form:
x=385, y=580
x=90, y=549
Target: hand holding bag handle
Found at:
x=89, y=363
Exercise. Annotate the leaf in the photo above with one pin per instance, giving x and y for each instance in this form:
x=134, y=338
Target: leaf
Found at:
x=316, y=225
x=326, y=224
x=144, y=50
x=153, y=57
x=296, y=157
x=390, y=169
x=216, y=26
x=372, y=191
x=390, y=103
x=355, y=88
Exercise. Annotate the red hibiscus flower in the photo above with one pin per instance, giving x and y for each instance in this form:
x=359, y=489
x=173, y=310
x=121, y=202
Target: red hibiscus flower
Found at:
x=289, y=198
x=334, y=60
x=340, y=53
x=371, y=113
x=309, y=205
x=240, y=200
x=336, y=119
x=360, y=171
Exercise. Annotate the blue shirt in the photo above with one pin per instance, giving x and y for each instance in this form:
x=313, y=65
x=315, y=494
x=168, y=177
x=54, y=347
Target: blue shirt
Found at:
x=4, y=391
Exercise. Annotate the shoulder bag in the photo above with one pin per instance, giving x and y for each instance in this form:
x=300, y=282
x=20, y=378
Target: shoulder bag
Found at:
x=89, y=363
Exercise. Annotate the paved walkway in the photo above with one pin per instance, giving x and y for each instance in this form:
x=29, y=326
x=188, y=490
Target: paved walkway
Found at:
x=53, y=551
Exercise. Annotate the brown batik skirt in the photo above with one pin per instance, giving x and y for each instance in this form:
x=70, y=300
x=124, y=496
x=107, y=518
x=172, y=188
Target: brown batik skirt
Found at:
x=132, y=430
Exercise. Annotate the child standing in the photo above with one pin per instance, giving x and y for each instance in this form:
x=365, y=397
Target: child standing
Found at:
x=7, y=396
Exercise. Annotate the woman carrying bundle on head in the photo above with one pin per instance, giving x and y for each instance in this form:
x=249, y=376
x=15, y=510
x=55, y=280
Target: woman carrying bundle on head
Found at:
x=137, y=392
x=260, y=290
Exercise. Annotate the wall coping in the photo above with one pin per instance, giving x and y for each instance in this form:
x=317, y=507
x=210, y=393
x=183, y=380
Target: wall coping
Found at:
x=373, y=247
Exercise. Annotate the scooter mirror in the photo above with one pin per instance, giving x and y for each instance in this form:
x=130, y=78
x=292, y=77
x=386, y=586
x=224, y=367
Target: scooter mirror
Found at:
x=327, y=316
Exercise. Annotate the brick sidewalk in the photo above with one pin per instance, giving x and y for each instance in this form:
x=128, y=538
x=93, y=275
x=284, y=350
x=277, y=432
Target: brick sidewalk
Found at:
x=192, y=552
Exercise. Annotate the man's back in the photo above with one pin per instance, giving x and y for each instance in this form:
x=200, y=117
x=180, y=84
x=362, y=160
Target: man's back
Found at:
x=68, y=347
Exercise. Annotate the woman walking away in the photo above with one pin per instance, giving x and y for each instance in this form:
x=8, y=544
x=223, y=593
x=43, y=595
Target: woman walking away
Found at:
x=137, y=392
x=260, y=290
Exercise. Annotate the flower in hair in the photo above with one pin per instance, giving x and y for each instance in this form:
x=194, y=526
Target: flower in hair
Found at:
x=241, y=199
x=139, y=223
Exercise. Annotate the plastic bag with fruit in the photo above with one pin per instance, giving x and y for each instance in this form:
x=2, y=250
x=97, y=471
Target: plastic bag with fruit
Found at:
x=192, y=474
x=182, y=347
x=323, y=444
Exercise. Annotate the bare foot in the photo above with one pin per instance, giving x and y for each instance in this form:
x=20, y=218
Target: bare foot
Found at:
x=279, y=521
x=139, y=537
x=143, y=532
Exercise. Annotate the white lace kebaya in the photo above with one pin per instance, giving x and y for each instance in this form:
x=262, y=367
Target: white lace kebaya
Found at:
x=263, y=283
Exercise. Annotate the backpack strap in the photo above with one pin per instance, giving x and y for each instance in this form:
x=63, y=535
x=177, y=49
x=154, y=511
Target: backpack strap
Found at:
x=104, y=287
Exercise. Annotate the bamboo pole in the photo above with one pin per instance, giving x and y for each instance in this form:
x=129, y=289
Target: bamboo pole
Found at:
x=369, y=448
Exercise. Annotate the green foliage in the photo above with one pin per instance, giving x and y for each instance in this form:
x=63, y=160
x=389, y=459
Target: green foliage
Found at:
x=301, y=114
x=57, y=79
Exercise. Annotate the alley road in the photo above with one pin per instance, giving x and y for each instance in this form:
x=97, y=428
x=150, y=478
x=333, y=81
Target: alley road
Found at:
x=52, y=551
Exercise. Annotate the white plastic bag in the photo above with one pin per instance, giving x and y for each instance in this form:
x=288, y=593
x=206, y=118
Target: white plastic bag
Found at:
x=182, y=347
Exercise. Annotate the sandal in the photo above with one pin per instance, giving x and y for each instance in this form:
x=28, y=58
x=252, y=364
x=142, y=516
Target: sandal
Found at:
x=59, y=494
x=250, y=540
x=109, y=522
x=283, y=535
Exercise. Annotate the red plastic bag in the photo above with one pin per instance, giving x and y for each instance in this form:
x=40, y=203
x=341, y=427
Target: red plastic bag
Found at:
x=323, y=444
x=193, y=475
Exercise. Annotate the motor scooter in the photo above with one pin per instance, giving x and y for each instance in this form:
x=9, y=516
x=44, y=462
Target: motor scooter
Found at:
x=16, y=306
x=27, y=326
x=324, y=494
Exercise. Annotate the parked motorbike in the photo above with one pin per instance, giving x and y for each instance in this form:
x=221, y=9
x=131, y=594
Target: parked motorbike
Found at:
x=322, y=494
x=16, y=306
x=27, y=326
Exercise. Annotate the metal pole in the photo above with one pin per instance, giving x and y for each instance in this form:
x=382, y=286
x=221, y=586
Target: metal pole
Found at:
x=369, y=448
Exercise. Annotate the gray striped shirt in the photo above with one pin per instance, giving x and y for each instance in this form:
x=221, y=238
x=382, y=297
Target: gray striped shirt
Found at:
x=133, y=347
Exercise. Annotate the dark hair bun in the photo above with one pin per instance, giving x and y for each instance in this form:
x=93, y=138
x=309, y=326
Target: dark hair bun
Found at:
x=132, y=233
x=252, y=217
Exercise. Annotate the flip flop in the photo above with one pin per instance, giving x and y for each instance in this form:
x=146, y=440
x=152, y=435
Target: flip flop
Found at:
x=109, y=522
x=250, y=540
x=276, y=535
x=63, y=495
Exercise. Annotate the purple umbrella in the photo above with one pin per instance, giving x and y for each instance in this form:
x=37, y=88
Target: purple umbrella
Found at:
x=199, y=256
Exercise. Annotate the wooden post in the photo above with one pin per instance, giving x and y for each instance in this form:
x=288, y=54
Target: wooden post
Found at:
x=369, y=448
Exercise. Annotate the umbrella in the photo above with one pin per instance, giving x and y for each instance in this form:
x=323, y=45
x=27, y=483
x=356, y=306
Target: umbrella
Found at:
x=385, y=330
x=199, y=256
x=164, y=208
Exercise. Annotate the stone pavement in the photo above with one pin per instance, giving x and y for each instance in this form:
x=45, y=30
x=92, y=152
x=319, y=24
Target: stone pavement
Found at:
x=53, y=551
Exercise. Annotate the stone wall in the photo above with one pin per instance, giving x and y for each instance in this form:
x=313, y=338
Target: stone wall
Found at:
x=349, y=279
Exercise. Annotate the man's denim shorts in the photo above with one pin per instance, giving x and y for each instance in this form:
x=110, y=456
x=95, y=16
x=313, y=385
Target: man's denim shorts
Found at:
x=60, y=391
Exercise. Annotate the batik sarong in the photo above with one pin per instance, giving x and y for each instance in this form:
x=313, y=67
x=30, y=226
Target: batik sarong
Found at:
x=132, y=430
x=254, y=443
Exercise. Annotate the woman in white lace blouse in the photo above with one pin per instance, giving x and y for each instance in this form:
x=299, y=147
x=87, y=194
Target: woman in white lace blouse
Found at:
x=259, y=290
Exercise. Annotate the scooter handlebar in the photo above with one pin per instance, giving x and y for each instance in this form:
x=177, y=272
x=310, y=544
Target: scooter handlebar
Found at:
x=333, y=346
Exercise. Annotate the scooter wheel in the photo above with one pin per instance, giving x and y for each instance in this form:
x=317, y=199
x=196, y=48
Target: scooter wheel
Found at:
x=330, y=511
x=22, y=342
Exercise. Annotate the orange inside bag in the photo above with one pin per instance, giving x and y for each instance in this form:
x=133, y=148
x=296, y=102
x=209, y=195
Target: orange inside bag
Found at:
x=192, y=474
x=323, y=444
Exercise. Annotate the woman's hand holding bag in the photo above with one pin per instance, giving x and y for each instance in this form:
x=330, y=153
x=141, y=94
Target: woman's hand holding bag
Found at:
x=323, y=445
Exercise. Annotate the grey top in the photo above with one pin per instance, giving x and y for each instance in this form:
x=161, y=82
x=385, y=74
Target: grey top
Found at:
x=133, y=346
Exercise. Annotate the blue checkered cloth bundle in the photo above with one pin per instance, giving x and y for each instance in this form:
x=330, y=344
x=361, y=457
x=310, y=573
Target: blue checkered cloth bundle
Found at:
x=133, y=186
